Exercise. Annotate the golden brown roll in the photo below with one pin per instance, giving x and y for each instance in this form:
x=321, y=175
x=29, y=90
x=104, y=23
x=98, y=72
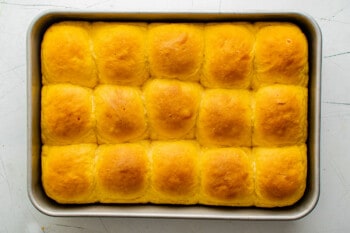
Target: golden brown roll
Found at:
x=120, y=114
x=281, y=55
x=280, y=178
x=67, y=115
x=68, y=173
x=225, y=118
x=66, y=55
x=228, y=55
x=175, y=176
x=280, y=116
x=227, y=177
x=120, y=50
x=172, y=108
x=176, y=50
x=122, y=173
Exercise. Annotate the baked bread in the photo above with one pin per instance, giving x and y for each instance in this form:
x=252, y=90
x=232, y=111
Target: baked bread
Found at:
x=281, y=55
x=175, y=50
x=120, y=114
x=175, y=173
x=66, y=55
x=228, y=61
x=227, y=177
x=225, y=118
x=120, y=50
x=280, y=116
x=67, y=115
x=172, y=108
x=68, y=175
x=174, y=113
x=280, y=178
x=122, y=173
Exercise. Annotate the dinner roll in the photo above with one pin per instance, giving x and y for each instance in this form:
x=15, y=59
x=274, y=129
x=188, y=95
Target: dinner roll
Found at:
x=227, y=177
x=122, y=173
x=176, y=50
x=68, y=173
x=225, y=118
x=66, y=55
x=67, y=115
x=281, y=55
x=280, y=178
x=280, y=116
x=175, y=176
x=228, y=55
x=120, y=50
x=120, y=114
x=172, y=108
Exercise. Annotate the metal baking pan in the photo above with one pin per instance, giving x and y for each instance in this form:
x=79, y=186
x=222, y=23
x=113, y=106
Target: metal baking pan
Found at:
x=49, y=207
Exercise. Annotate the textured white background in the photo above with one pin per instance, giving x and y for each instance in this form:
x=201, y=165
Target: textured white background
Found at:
x=330, y=215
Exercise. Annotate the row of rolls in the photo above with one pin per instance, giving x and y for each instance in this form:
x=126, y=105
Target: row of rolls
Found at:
x=174, y=172
x=218, y=55
x=274, y=115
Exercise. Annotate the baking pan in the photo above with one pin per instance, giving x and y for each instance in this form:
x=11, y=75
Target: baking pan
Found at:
x=49, y=207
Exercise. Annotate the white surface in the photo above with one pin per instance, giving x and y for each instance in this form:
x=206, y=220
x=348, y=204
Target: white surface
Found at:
x=330, y=215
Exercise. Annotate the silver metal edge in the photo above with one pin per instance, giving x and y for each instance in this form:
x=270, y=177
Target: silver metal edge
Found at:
x=179, y=15
x=30, y=116
x=29, y=113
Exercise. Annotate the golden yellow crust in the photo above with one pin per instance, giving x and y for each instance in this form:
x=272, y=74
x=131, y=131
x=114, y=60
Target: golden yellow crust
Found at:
x=120, y=50
x=280, y=116
x=122, y=173
x=175, y=176
x=280, y=175
x=225, y=118
x=172, y=108
x=68, y=173
x=66, y=55
x=281, y=55
x=228, y=55
x=67, y=115
x=227, y=177
x=120, y=114
x=169, y=113
x=176, y=50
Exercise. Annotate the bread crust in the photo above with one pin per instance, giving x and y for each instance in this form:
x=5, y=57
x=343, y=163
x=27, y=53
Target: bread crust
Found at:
x=67, y=55
x=174, y=113
x=280, y=175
